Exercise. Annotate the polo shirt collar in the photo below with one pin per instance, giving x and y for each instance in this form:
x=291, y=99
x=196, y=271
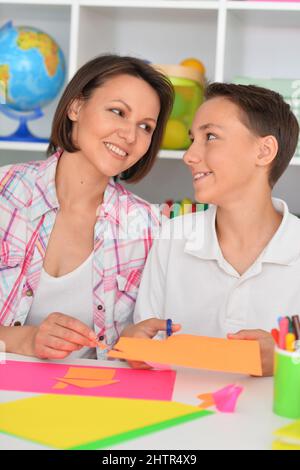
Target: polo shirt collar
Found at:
x=283, y=248
x=202, y=241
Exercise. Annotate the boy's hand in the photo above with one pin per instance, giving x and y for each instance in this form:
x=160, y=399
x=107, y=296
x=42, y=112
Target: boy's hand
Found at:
x=146, y=329
x=266, y=343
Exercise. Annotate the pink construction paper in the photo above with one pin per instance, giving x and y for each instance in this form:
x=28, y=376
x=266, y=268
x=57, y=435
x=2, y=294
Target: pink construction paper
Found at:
x=39, y=377
x=226, y=398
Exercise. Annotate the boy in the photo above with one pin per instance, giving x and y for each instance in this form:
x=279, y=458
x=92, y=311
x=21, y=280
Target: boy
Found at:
x=236, y=267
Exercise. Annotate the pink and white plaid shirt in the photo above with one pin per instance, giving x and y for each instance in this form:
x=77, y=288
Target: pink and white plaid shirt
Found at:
x=123, y=234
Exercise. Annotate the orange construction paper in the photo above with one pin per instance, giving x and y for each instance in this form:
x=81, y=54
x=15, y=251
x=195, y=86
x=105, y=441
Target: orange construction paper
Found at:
x=200, y=352
x=83, y=383
x=91, y=373
x=86, y=378
x=207, y=400
x=60, y=385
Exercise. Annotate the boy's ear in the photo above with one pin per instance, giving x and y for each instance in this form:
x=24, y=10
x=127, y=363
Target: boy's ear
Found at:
x=74, y=109
x=268, y=149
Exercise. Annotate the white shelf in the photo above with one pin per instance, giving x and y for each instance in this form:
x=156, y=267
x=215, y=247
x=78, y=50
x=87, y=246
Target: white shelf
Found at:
x=38, y=2
x=161, y=4
x=42, y=147
x=260, y=6
x=23, y=146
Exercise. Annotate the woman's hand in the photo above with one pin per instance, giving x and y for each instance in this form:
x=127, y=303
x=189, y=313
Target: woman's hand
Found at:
x=266, y=343
x=146, y=329
x=59, y=335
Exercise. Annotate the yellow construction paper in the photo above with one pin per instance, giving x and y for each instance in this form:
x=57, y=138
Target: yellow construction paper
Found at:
x=201, y=352
x=70, y=421
x=288, y=437
x=279, y=445
x=83, y=383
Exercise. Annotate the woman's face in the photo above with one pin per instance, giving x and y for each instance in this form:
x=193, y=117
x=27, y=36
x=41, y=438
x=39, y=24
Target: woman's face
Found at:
x=113, y=129
x=223, y=153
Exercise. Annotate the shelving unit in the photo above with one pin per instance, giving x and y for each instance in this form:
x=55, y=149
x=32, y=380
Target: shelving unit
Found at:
x=232, y=38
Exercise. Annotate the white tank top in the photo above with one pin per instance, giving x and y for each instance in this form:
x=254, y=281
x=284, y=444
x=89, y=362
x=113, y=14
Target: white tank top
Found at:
x=71, y=294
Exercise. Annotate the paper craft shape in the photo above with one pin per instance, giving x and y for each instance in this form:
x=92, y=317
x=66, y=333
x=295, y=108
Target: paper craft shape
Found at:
x=288, y=437
x=60, y=385
x=86, y=378
x=74, y=422
x=201, y=352
x=224, y=400
x=207, y=400
x=93, y=373
x=41, y=377
x=86, y=383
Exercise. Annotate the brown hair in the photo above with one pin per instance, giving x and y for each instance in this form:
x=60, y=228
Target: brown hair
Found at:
x=93, y=75
x=264, y=112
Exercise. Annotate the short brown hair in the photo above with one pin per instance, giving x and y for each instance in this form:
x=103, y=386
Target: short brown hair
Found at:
x=264, y=112
x=93, y=75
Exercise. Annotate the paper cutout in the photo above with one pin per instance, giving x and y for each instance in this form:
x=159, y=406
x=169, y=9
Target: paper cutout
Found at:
x=288, y=437
x=73, y=422
x=86, y=378
x=60, y=385
x=201, y=352
x=39, y=377
x=86, y=383
x=207, y=400
x=90, y=373
x=224, y=399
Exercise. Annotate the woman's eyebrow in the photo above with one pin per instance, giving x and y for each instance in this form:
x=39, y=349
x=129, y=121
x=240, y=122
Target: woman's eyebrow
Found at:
x=123, y=102
x=129, y=109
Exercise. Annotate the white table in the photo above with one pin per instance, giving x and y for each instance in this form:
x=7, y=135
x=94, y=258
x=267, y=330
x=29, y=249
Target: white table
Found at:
x=250, y=427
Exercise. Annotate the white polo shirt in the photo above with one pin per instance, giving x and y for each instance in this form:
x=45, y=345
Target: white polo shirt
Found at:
x=187, y=279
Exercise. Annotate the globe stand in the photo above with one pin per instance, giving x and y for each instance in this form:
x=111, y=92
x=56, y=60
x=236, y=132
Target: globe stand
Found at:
x=22, y=134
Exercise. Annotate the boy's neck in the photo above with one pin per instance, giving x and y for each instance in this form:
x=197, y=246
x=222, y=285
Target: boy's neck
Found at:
x=245, y=228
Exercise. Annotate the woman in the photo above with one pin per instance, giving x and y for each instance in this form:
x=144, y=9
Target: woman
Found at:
x=73, y=242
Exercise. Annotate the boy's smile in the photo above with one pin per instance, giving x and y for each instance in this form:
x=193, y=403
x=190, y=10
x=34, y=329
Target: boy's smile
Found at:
x=223, y=152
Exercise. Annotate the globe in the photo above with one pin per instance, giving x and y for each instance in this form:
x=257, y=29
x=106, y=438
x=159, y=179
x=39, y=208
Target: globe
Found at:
x=32, y=72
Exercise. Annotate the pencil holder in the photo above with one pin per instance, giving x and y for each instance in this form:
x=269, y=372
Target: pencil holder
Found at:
x=287, y=384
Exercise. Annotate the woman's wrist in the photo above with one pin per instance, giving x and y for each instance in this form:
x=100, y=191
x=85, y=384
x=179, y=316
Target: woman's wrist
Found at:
x=19, y=339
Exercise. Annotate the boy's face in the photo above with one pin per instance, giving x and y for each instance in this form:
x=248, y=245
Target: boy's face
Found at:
x=223, y=153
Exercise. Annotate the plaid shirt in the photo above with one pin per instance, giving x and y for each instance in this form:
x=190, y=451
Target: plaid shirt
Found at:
x=123, y=234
